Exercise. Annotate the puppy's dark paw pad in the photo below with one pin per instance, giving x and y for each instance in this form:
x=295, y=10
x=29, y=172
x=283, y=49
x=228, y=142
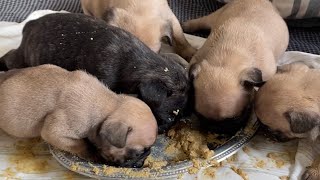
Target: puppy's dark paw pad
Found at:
x=311, y=174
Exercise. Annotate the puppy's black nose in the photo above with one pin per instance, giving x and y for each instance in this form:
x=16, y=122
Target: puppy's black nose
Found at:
x=136, y=158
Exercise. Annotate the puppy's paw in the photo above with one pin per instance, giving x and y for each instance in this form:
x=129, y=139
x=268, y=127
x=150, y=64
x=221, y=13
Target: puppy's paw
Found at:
x=311, y=174
x=188, y=53
x=187, y=27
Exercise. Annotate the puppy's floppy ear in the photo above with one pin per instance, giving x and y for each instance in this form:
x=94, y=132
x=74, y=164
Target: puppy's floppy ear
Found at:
x=302, y=122
x=166, y=31
x=153, y=92
x=194, y=70
x=252, y=77
x=115, y=132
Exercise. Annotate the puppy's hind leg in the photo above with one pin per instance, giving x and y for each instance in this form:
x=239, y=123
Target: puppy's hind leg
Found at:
x=312, y=172
x=55, y=131
x=180, y=43
x=193, y=25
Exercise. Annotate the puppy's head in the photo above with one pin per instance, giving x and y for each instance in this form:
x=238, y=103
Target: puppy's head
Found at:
x=284, y=107
x=125, y=137
x=148, y=29
x=222, y=93
x=165, y=88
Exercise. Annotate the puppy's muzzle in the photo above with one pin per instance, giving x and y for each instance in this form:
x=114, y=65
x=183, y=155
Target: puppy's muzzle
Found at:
x=165, y=127
x=225, y=126
x=168, y=121
x=137, y=159
x=275, y=135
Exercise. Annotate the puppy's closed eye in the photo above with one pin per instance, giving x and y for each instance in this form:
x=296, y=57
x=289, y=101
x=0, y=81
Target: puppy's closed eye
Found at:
x=302, y=122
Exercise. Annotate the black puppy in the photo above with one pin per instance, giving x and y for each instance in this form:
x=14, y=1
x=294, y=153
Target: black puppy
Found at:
x=116, y=57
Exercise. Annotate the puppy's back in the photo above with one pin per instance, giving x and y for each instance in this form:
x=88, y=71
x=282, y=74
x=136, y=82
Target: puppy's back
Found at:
x=27, y=95
x=253, y=22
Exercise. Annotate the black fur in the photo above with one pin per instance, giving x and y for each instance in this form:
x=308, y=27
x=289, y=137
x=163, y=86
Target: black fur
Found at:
x=116, y=57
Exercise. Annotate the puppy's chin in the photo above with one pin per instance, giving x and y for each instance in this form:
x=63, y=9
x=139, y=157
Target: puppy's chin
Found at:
x=166, y=122
x=275, y=135
x=225, y=126
x=135, y=159
x=165, y=127
x=279, y=137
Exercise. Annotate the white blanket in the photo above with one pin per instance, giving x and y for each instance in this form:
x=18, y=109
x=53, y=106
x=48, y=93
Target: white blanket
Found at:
x=260, y=159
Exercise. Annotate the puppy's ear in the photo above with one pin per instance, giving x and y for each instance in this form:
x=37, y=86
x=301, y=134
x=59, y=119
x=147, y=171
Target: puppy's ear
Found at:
x=175, y=57
x=302, y=122
x=252, y=77
x=115, y=132
x=153, y=92
x=194, y=70
x=166, y=31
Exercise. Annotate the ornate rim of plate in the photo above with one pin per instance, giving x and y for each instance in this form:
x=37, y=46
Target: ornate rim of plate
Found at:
x=222, y=152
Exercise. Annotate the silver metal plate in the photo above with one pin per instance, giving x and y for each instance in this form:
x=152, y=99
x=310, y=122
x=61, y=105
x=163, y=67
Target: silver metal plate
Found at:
x=171, y=171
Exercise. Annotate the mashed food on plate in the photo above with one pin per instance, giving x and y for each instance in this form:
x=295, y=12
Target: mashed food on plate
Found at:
x=185, y=142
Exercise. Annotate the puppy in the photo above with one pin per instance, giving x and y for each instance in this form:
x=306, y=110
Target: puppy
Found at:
x=149, y=20
x=247, y=38
x=72, y=111
x=312, y=172
x=117, y=58
x=289, y=106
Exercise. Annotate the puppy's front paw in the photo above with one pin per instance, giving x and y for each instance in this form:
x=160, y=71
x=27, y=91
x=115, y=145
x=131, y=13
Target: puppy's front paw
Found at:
x=311, y=174
x=187, y=27
x=188, y=53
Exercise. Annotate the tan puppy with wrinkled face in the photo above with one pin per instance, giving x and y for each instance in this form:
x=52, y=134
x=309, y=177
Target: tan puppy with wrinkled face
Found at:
x=149, y=20
x=75, y=112
x=289, y=105
x=247, y=38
